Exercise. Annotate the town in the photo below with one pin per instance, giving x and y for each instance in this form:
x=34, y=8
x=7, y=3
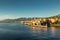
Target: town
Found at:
x=36, y=21
x=44, y=22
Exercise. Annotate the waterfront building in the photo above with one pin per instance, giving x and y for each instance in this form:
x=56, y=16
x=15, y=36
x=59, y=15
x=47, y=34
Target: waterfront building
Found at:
x=52, y=20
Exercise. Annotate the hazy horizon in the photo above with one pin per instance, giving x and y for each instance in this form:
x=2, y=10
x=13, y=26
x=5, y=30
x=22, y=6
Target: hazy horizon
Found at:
x=11, y=9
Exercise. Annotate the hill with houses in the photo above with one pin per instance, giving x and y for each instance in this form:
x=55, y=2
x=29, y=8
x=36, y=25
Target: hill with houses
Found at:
x=18, y=20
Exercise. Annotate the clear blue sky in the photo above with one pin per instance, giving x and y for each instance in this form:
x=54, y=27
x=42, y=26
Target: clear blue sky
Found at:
x=28, y=8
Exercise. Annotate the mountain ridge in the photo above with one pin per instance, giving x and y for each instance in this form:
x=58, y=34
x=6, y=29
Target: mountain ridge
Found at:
x=25, y=19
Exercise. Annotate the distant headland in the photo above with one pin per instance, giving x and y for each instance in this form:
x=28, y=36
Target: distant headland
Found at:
x=53, y=20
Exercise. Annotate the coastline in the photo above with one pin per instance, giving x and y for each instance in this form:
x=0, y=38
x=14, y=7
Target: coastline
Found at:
x=56, y=25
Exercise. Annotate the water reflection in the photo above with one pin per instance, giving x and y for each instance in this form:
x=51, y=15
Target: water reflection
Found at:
x=53, y=31
x=39, y=32
x=21, y=32
x=35, y=29
x=44, y=32
x=38, y=29
x=44, y=29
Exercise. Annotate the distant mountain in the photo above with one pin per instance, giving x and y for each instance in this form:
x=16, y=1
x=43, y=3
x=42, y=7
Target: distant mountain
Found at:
x=17, y=20
x=56, y=16
x=24, y=19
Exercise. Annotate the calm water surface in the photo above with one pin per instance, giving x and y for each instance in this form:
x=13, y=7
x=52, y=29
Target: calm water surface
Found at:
x=22, y=32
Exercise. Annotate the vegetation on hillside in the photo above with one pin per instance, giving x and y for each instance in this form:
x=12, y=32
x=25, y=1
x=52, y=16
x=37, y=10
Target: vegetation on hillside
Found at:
x=25, y=19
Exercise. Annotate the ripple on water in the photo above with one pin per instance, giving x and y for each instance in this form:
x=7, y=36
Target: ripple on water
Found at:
x=22, y=32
